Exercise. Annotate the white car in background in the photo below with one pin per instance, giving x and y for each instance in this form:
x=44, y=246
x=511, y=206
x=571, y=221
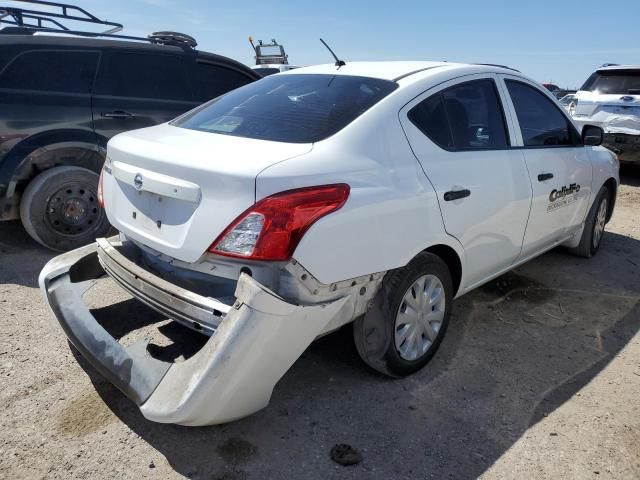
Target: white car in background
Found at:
x=568, y=102
x=372, y=193
x=610, y=98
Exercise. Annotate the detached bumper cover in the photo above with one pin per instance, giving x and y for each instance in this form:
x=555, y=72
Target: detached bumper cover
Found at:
x=232, y=376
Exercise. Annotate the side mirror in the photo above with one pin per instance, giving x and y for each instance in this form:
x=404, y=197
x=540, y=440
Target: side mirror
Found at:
x=592, y=135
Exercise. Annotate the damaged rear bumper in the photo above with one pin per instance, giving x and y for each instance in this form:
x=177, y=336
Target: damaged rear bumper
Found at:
x=625, y=146
x=255, y=342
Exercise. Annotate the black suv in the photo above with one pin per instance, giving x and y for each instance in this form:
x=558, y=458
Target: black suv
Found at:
x=63, y=97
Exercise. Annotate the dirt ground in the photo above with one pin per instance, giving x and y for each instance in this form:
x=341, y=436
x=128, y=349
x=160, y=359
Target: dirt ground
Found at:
x=538, y=377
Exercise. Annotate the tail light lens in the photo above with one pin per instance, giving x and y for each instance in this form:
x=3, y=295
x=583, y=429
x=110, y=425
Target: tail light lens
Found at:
x=273, y=227
x=572, y=106
x=106, y=168
x=100, y=190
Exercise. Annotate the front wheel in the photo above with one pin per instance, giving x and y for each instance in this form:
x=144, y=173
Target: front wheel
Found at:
x=594, y=226
x=403, y=329
x=59, y=208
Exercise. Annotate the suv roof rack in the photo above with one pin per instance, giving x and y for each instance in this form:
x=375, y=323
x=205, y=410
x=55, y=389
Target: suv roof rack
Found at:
x=266, y=58
x=22, y=21
x=498, y=65
x=39, y=19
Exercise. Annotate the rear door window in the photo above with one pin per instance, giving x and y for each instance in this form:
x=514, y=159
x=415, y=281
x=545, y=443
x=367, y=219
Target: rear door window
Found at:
x=429, y=116
x=211, y=80
x=51, y=71
x=143, y=75
x=541, y=122
x=467, y=116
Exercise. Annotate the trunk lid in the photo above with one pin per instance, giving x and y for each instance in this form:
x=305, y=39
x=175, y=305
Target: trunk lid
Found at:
x=175, y=190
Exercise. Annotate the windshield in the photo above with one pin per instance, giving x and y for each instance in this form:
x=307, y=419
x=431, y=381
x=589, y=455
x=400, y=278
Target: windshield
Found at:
x=619, y=82
x=300, y=108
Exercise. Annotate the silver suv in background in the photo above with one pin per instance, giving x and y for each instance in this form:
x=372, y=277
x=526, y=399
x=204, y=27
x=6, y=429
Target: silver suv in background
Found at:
x=610, y=98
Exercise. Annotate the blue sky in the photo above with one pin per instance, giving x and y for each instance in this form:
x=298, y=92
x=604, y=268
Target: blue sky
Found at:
x=551, y=41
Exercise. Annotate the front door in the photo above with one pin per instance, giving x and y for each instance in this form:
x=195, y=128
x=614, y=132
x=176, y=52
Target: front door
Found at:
x=458, y=131
x=558, y=164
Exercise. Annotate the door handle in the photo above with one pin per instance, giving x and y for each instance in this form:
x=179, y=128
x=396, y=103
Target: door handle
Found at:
x=545, y=176
x=456, y=194
x=117, y=114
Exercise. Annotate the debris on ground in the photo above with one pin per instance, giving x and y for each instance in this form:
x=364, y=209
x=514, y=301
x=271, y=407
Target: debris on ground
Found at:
x=344, y=454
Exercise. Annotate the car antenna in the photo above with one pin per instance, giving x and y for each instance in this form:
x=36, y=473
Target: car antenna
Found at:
x=339, y=63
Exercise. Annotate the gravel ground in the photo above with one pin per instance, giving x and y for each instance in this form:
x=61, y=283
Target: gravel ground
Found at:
x=538, y=377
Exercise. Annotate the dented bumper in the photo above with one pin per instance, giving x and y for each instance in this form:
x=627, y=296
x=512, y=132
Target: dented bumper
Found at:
x=254, y=343
x=626, y=147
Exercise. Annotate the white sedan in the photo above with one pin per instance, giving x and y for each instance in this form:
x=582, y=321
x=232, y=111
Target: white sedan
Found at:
x=372, y=193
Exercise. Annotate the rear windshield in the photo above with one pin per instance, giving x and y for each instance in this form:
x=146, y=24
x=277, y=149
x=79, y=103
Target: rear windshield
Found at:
x=620, y=82
x=289, y=108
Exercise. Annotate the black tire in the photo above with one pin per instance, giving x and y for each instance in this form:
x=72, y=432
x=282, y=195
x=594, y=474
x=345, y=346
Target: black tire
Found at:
x=59, y=208
x=374, y=333
x=588, y=247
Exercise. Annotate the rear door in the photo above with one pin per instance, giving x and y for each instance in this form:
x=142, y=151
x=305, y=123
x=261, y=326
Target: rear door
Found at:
x=136, y=89
x=558, y=164
x=46, y=89
x=458, y=131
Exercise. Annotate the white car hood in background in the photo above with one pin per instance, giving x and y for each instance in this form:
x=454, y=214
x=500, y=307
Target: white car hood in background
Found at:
x=615, y=113
x=175, y=190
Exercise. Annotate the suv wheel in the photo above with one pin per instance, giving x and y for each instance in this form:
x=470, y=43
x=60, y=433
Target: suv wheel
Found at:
x=60, y=210
x=403, y=329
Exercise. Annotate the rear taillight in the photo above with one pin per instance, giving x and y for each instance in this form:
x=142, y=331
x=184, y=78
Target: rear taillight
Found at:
x=100, y=188
x=106, y=168
x=273, y=227
x=572, y=106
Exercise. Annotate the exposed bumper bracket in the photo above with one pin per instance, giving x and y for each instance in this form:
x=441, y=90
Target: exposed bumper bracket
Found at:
x=232, y=376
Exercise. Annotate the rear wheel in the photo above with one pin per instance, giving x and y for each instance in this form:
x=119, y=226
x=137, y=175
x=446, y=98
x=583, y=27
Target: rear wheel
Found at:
x=59, y=208
x=405, y=326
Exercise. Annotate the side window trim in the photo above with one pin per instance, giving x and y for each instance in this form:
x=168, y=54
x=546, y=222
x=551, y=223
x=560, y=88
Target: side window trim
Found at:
x=512, y=108
x=507, y=105
x=443, y=87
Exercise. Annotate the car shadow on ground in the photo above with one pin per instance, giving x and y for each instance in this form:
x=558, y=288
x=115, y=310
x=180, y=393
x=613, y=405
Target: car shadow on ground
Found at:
x=517, y=349
x=630, y=175
x=22, y=257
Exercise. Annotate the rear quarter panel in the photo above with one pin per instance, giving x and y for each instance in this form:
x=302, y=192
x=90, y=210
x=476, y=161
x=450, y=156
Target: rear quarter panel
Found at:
x=392, y=212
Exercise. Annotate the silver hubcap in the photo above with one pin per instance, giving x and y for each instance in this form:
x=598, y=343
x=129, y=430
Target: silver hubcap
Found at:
x=419, y=317
x=601, y=218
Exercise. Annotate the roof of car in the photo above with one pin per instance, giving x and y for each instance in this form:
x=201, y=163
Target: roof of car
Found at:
x=619, y=67
x=86, y=42
x=386, y=70
x=382, y=70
